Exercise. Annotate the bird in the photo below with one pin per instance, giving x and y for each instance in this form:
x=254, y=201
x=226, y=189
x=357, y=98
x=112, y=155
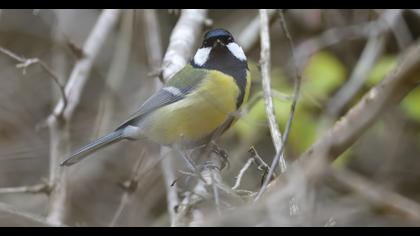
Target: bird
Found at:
x=194, y=105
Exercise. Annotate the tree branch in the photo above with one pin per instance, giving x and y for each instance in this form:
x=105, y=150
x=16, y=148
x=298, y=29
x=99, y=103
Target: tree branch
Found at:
x=279, y=153
x=250, y=35
x=37, y=188
x=369, y=56
x=377, y=195
x=387, y=93
x=182, y=40
x=12, y=217
x=265, y=62
x=24, y=63
x=59, y=128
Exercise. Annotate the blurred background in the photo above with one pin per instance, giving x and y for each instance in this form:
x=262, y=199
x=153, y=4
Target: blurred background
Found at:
x=335, y=50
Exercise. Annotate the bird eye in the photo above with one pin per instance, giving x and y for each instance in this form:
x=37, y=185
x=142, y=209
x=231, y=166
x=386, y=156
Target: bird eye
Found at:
x=230, y=39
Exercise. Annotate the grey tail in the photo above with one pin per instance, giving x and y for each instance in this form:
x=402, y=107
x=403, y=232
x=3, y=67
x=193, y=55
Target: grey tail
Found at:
x=104, y=141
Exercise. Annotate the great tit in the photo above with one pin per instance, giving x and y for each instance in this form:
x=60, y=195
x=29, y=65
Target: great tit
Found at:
x=194, y=104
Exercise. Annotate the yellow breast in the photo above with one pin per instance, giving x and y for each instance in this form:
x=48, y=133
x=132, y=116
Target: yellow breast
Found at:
x=197, y=115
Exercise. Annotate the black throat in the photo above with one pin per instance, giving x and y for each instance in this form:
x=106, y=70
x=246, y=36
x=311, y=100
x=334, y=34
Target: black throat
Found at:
x=221, y=59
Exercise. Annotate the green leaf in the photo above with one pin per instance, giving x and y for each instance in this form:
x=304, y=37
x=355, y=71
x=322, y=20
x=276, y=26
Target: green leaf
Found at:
x=253, y=123
x=303, y=130
x=411, y=104
x=343, y=159
x=322, y=75
x=382, y=68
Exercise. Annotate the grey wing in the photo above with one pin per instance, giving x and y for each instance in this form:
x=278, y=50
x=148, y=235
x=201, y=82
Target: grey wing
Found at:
x=164, y=96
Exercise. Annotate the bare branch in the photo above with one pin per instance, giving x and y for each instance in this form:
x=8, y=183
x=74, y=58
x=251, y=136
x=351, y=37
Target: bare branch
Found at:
x=24, y=63
x=59, y=128
x=37, y=188
x=296, y=92
x=395, y=21
x=130, y=187
x=241, y=173
x=352, y=125
x=13, y=217
x=153, y=42
x=250, y=35
x=116, y=74
x=265, y=62
x=182, y=40
x=336, y=35
x=168, y=170
x=388, y=92
x=257, y=160
x=91, y=49
x=379, y=196
x=369, y=56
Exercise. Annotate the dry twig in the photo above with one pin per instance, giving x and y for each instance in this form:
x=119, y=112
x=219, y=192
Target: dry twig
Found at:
x=265, y=62
x=377, y=195
x=296, y=92
x=12, y=217
x=24, y=63
x=59, y=128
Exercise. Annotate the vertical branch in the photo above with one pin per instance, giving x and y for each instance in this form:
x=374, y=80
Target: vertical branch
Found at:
x=296, y=92
x=268, y=99
x=116, y=73
x=265, y=63
x=59, y=126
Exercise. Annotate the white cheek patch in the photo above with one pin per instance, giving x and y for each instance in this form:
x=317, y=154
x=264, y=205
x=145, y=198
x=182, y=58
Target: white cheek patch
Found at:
x=201, y=56
x=174, y=91
x=236, y=51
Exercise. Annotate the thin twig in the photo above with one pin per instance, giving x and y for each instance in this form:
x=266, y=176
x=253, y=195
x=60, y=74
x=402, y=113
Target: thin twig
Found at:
x=355, y=122
x=241, y=173
x=368, y=58
x=296, y=93
x=265, y=63
x=123, y=203
x=37, y=188
x=116, y=74
x=250, y=35
x=24, y=63
x=395, y=21
x=215, y=192
x=15, y=217
x=379, y=196
x=336, y=35
x=59, y=128
x=130, y=187
x=257, y=160
x=387, y=93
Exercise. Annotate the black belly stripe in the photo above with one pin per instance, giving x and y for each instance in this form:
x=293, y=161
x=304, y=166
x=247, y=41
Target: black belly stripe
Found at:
x=222, y=60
